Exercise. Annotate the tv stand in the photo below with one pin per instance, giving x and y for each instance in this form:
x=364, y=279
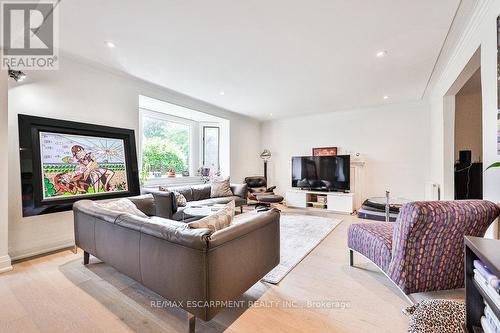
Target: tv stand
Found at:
x=338, y=202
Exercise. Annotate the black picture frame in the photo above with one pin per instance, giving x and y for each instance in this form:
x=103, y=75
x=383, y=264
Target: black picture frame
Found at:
x=30, y=161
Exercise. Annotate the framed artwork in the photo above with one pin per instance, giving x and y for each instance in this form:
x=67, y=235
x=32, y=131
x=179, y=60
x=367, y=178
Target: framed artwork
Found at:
x=63, y=161
x=327, y=151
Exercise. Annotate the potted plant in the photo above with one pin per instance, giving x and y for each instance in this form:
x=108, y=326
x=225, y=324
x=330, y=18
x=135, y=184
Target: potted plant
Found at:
x=494, y=165
x=171, y=171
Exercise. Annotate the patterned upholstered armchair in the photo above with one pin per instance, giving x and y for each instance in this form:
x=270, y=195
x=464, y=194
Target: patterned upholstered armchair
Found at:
x=423, y=249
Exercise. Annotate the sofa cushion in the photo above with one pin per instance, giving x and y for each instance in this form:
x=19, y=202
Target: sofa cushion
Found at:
x=186, y=191
x=220, y=188
x=201, y=192
x=217, y=221
x=123, y=205
x=145, y=203
x=373, y=240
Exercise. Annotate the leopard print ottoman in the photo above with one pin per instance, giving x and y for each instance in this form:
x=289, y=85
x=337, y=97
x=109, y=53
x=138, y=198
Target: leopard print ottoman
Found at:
x=435, y=316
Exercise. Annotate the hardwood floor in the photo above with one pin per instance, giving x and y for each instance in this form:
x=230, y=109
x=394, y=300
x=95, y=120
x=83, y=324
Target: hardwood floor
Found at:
x=56, y=293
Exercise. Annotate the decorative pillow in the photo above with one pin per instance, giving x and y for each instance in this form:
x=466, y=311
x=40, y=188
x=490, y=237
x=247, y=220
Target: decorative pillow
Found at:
x=123, y=206
x=179, y=197
x=220, y=220
x=438, y=315
x=221, y=188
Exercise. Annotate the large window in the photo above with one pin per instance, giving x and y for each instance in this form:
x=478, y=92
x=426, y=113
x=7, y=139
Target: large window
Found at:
x=180, y=145
x=165, y=145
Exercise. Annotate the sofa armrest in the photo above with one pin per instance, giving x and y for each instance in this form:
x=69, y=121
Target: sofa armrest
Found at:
x=271, y=189
x=239, y=190
x=165, y=203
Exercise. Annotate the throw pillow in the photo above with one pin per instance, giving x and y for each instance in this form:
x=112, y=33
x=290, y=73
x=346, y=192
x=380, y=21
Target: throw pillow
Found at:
x=218, y=221
x=221, y=188
x=179, y=197
x=123, y=206
x=439, y=315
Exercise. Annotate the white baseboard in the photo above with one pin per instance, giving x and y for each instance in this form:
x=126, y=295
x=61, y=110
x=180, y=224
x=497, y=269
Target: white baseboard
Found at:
x=5, y=264
x=16, y=255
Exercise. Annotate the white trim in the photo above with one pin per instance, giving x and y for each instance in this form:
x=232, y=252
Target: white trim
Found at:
x=5, y=264
x=201, y=138
x=55, y=246
x=455, y=45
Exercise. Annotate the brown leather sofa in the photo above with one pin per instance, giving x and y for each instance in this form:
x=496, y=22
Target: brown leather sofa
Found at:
x=200, y=195
x=184, y=265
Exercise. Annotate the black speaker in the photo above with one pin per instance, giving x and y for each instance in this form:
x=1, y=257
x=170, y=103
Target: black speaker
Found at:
x=465, y=157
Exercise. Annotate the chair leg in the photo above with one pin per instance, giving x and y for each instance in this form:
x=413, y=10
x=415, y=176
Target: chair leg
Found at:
x=191, y=323
x=241, y=209
x=351, y=257
x=86, y=258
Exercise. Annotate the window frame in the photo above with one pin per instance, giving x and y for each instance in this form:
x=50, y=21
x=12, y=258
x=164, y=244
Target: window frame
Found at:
x=202, y=136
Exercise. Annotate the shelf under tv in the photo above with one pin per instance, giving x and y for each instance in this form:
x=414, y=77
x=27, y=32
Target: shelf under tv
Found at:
x=339, y=202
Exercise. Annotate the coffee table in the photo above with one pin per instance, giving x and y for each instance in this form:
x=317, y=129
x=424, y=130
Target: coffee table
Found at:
x=201, y=210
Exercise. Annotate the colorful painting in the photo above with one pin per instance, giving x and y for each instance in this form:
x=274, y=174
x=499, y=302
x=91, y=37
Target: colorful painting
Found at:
x=328, y=151
x=78, y=165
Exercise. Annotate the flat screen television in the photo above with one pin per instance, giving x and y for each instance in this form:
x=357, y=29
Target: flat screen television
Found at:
x=322, y=173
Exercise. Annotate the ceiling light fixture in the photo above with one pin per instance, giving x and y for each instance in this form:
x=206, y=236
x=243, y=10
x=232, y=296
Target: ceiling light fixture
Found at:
x=222, y=93
x=386, y=97
x=381, y=54
x=110, y=44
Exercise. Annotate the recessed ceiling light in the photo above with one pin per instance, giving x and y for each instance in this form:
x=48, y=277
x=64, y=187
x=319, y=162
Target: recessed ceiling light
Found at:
x=222, y=92
x=110, y=44
x=270, y=115
x=381, y=54
x=386, y=97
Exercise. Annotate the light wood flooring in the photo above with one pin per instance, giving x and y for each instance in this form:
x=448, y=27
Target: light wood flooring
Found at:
x=56, y=293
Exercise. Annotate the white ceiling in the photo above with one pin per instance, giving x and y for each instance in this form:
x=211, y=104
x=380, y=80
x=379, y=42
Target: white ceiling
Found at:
x=285, y=57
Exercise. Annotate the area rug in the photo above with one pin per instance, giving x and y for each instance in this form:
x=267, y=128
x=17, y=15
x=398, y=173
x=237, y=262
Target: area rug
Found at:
x=299, y=235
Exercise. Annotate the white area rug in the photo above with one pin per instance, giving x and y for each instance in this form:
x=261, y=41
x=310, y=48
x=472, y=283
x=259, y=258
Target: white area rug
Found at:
x=299, y=235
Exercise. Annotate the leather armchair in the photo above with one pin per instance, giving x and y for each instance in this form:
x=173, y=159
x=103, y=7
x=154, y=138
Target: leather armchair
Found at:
x=257, y=185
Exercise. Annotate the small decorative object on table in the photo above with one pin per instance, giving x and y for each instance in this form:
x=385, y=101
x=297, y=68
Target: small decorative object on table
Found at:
x=171, y=171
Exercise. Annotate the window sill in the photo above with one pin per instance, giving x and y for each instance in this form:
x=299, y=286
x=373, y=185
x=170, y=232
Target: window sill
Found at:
x=173, y=181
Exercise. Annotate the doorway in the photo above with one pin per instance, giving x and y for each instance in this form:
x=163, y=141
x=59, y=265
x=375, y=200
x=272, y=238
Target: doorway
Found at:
x=463, y=147
x=468, y=168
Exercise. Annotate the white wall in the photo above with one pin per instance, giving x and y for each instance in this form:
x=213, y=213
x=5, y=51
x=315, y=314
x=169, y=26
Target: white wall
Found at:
x=393, y=140
x=4, y=192
x=479, y=33
x=86, y=92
